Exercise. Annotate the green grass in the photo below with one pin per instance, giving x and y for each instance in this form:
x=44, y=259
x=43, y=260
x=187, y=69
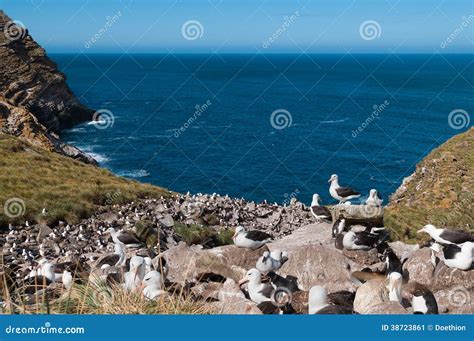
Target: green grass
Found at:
x=204, y=235
x=70, y=190
x=442, y=195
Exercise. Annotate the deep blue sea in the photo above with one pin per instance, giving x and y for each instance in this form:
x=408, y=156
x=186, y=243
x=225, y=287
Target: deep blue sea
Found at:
x=368, y=118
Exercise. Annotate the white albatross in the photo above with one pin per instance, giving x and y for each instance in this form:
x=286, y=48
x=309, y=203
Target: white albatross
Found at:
x=342, y=194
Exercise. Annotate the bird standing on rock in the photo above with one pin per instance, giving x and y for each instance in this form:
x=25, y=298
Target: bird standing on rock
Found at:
x=374, y=199
x=250, y=239
x=319, y=212
x=342, y=194
x=447, y=236
x=339, y=226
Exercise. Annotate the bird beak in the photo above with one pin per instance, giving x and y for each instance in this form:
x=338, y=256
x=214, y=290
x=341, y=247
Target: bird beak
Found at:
x=243, y=281
x=329, y=180
x=422, y=230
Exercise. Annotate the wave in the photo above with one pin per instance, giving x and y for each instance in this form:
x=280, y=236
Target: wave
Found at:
x=98, y=157
x=138, y=173
x=335, y=121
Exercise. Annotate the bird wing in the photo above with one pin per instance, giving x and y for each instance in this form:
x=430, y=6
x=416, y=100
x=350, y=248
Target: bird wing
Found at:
x=258, y=235
x=321, y=211
x=346, y=192
x=450, y=251
x=266, y=290
x=364, y=238
x=108, y=259
x=456, y=236
x=128, y=238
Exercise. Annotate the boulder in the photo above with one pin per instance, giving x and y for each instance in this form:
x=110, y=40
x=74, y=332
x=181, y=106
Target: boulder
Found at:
x=236, y=307
x=403, y=250
x=359, y=214
x=386, y=308
x=362, y=257
x=419, y=267
x=447, y=278
x=371, y=294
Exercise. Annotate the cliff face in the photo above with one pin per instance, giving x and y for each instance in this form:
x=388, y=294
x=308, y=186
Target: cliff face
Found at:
x=35, y=100
x=440, y=191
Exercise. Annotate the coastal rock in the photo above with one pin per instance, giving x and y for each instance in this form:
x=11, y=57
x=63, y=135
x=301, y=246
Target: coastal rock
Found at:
x=35, y=101
x=371, y=295
x=236, y=307
x=362, y=257
x=419, y=267
x=446, y=278
x=386, y=308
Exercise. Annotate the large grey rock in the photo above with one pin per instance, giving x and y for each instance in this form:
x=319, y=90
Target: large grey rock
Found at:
x=370, y=295
x=419, y=267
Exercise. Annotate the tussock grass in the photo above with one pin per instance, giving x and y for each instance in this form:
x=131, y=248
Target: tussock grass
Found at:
x=99, y=298
x=441, y=192
x=204, y=235
x=70, y=190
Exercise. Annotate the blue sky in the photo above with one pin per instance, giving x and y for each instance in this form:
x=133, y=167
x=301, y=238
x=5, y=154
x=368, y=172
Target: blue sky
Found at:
x=331, y=26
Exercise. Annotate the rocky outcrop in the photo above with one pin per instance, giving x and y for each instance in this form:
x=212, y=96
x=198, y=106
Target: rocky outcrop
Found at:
x=439, y=192
x=31, y=80
x=35, y=101
x=21, y=123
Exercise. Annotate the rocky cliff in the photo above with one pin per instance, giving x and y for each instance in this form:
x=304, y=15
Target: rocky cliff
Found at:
x=35, y=101
x=440, y=191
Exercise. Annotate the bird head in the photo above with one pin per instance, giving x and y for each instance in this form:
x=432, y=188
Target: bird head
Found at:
x=427, y=228
x=333, y=177
x=238, y=230
x=152, y=278
x=316, y=199
x=251, y=275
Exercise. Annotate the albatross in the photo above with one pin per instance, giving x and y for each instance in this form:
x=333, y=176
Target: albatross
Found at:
x=250, y=239
x=317, y=303
x=447, y=236
x=342, y=194
x=259, y=292
x=271, y=261
x=361, y=240
x=374, y=199
x=319, y=212
x=458, y=256
x=129, y=239
x=153, y=282
x=134, y=277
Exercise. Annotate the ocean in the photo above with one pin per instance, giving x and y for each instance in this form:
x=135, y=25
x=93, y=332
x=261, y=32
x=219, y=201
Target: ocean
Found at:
x=268, y=127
